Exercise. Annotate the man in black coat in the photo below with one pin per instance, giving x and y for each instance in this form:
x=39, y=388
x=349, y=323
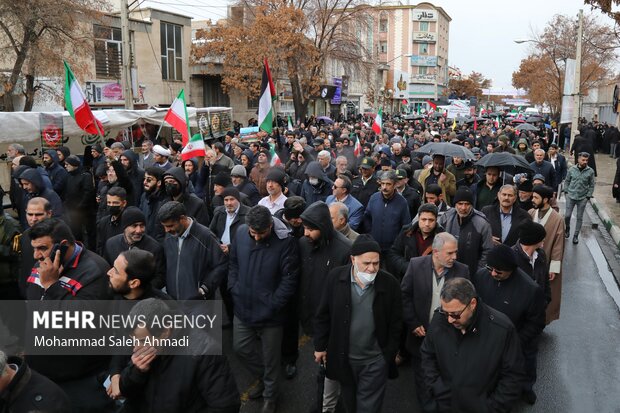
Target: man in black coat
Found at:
x=358, y=325
x=129, y=160
x=411, y=195
x=152, y=198
x=529, y=249
x=488, y=373
x=175, y=383
x=503, y=286
x=133, y=224
x=110, y=225
x=505, y=216
x=79, y=201
x=25, y=390
x=175, y=183
x=365, y=185
x=420, y=288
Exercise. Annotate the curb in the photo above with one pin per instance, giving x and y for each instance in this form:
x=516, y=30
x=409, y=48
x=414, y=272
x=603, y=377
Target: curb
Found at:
x=611, y=226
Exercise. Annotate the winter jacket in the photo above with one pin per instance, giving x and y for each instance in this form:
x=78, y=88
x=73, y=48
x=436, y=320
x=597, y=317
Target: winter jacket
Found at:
x=356, y=210
x=405, y=248
x=546, y=170
x=484, y=196
x=30, y=391
x=539, y=272
x=413, y=200
x=136, y=176
x=106, y=229
x=149, y=205
x=80, y=192
x=199, y=263
x=333, y=316
x=322, y=190
x=383, y=218
x=178, y=383
x=9, y=251
x=117, y=244
x=195, y=206
x=487, y=375
x=218, y=223
x=248, y=188
x=579, y=183
x=317, y=259
x=474, y=237
x=493, y=215
x=33, y=176
x=448, y=186
x=260, y=297
x=519, y=298
x=58, y=174
x=363, y=191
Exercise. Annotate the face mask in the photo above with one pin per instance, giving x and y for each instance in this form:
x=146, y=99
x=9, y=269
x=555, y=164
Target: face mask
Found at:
x=365, y=277
x=114, y=209
x=313, y=181
x=173, y=190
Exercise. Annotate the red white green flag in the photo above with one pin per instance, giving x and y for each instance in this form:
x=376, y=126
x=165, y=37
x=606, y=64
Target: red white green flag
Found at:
x=378, y=123
x=357, y=149
x=195, y=147
x=77, y=106
x=177, y=117
x=265, y=103
x=275, y=159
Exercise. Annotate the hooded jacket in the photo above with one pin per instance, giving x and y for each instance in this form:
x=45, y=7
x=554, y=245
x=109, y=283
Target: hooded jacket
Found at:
x=195, y=206
x=135, y=174
x=80, y=192
x=319, y=192
x=318, y=258
x=260, y=297
x=33, y=176
x=405, y=248
x=58, y=174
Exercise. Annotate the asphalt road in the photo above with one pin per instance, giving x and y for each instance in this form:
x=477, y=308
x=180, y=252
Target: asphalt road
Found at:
x=578, y=363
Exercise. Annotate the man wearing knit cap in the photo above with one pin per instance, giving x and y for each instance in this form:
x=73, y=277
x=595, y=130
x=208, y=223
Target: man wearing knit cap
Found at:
x=553, y=244
x=161, y=156
x=471, y=228
x=239, y=178
x=531, y=258
x=275, y=184
x=506, y=288
x=294, y=206
x=133, y=223
x=367, y=302
x=525, y=195
x=220, y=181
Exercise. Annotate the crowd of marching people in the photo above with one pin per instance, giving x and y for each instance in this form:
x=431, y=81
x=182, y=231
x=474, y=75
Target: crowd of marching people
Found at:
x=383, y=253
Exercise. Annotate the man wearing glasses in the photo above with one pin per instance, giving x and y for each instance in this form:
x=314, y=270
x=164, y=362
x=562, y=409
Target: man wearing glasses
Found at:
x=506, y=288
x=471, y=356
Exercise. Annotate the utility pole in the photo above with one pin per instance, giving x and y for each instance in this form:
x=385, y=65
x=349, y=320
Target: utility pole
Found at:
x=577, y=86
x=126, y=55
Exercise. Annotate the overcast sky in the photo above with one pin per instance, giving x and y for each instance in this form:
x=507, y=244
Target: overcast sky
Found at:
x=481, y=31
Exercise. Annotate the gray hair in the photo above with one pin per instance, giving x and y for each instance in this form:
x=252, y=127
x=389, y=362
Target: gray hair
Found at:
x=389, y=175
x=539, y=150
x=324, y=154
x=342, y=158
x=19, y=148
x=507, y=186
x=117, y=145
x=460, y=289
x=397, y=145
x=2, y=363
x=442, y=239
x=343, y=210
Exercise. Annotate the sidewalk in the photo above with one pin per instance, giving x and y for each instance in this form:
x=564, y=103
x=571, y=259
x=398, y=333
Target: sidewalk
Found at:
x=603, y=202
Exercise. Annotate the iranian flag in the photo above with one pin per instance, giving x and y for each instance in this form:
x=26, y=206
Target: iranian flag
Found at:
x=275, y=159
x=378, y=123
x=357, y=149
x=265, y=104
x=194, y=148
x=78, y=108
x=177, y=117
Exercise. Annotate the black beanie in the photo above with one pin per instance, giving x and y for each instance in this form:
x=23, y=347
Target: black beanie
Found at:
x=72, y=160
x=131, y=215
x=364, y=243
x=97, y=147
x=231, y=191
x=294, y=207
x=463, y=194
x=531, y=233
x=222, y=179
x=502, y=258
x=276, y=175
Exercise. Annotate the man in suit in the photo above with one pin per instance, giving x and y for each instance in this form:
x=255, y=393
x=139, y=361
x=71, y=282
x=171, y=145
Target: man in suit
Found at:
x=505, y=218
x=420, y=288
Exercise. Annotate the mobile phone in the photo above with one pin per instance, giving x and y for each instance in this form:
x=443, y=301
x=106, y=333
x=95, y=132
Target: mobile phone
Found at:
x=63, y=251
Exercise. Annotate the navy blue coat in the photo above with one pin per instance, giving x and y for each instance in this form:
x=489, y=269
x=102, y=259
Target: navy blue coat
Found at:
x=383, y=219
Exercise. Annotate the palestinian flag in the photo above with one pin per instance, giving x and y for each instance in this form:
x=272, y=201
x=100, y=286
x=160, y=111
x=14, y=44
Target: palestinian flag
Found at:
x=378, y=123
x=194, y=148
x=275, y=159
x=290, y=123
x=177, y=117
x=431, y=104
x=78, y=108
x=265, y=103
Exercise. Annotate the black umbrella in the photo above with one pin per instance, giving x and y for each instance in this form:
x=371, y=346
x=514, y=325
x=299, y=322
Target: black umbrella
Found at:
x=475, y=118
x=413, y=117
x=503, y=160
x=446, y=149
x=436, y=115
x=496, y=114
x=533, y=119
x=526, y=126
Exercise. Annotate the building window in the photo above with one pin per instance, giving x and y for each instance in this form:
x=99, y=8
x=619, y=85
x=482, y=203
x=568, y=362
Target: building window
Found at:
x=383, y=47
x=423, y=26
x=171, y=51
x=383, y=25
x=252, y=103
x=108, y=56
x=423, y=50
x=422, y=70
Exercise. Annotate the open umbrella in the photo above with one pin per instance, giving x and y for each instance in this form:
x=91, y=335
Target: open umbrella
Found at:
x=527, y=127
x=533, y=119
x=504, y=160
x=325, y=119
x=475, y=118
x=436, y=115
x=413, y=117
x=446, y=149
